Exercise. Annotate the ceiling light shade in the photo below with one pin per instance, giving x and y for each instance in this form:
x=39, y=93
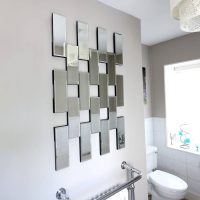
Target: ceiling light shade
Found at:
x=188, y=13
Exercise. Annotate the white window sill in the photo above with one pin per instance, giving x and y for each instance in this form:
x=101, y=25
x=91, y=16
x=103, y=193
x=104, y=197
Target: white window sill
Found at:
x=177, y=147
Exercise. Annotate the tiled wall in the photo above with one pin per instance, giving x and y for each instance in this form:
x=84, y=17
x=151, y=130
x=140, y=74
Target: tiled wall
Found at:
x=149, y=137
x=182, y=164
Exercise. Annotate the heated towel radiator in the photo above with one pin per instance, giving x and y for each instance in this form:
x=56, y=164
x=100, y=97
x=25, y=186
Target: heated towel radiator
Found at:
x=133, y=175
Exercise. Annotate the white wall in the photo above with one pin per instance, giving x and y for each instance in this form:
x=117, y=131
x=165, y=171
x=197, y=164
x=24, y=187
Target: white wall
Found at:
x=27, y=121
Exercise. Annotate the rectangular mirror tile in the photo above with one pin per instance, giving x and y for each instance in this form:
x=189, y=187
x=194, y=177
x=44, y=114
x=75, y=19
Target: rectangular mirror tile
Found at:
x=103, y=90
x=94, y=90
x=120, y=90
x=73, y=117
x=61, y=147
x=102, y=44
x=59, y=35
x=104, y=138
x=72, y=64
x=85, y=143
x=118, y=48
x=84, y=91
x=72, y=55
x=111, y=69
x=84, y=116
x=120, y=133
x=94, y=67
x=95, y=114
x=72, y=75
x=103, y=68
x=83, y=40
x=113, y=112
x=59, y=91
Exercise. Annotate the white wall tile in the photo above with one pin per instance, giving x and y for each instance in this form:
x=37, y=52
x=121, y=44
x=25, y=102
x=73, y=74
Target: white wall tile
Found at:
x=194, y=186
x=149, y=131
x=193, y=172
x=179, y=168
x=193, y=160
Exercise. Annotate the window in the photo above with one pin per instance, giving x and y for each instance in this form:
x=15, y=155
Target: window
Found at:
x=182, y=96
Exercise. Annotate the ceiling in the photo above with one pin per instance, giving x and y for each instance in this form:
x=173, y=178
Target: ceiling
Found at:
x=156, y=23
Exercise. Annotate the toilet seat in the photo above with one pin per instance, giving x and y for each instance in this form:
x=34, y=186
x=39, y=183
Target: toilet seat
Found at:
x=167, y=184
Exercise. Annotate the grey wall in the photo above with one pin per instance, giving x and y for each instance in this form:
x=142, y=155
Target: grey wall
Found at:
x=27, y=144
x=146, y=64
x=177, y=50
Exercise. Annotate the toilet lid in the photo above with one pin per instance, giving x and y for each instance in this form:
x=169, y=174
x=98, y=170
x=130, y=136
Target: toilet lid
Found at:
x=167, y=180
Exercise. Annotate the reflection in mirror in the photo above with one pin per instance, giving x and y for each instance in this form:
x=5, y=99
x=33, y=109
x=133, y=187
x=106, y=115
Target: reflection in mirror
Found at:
x=84, y=93
x=59, y=35
x=72, y=75
x=72, y=65
x=61, y=147
x=85, y=143
x=120, y=133
x=113, y=112
x=95, y=114
x=83, y=40
x=102, y=44
x=59, y=91
x=111, y=69
x=72, y=55
x=73, y=117
x=103, y=90
x=94, y=67
x=104, y=138
x=118, y=48
x=120, y=90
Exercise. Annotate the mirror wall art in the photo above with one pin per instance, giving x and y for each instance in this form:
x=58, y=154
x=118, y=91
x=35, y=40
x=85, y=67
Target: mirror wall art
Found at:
x=73, y=105
x=118, y=48
x=59, y=35
x=102, y=44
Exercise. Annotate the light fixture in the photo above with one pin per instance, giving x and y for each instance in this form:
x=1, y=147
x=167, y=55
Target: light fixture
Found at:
x=188, y=13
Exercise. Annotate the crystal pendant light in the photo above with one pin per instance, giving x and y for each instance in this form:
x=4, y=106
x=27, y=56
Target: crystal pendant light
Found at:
x=188, y=13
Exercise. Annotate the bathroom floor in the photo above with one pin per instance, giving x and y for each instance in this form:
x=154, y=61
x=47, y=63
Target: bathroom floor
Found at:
x=149, y=197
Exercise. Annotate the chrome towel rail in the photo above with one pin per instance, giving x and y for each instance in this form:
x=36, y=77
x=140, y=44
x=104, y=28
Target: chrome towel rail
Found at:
x=131, y=171
x=133, y=175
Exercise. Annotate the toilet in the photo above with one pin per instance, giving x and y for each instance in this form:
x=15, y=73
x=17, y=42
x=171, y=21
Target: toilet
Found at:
x=162, y=185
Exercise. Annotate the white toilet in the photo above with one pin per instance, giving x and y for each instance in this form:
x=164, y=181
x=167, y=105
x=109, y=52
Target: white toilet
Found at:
x=162, y=185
